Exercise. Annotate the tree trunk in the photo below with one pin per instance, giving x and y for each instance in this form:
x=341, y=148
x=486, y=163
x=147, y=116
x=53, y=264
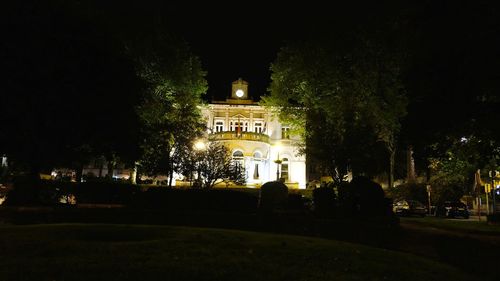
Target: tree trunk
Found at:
x=410, y=165
x=78, y=173
x=111, y=168
x=392, y=156
x=101, y=165
x=170, y=176
x=133, y=175
x=170, y=168
x=34, y=174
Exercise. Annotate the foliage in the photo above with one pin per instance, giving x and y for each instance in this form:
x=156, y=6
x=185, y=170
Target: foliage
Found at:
x=453, y=167
x=215, y=163
x=226, y=200
x=169, y=111
x=413, y=191
x=343, y=98
x=71, y=89
x=25, y=191
x=324, y=199
x=363, y=197
x=273, y=195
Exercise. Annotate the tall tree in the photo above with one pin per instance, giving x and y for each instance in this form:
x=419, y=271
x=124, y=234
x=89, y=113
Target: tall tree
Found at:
x=342, y=97
x=169, y=112
x=215, y=163
x=68, y=85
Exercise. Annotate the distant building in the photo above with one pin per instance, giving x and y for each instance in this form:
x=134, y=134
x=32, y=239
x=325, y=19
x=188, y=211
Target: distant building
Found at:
x=255, y=138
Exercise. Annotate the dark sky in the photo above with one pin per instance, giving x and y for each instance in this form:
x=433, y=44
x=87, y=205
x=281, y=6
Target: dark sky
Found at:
x=236, y=41
x=242, y=39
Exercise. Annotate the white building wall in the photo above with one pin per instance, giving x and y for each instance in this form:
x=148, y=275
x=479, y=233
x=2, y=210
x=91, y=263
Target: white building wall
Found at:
x=269, y=150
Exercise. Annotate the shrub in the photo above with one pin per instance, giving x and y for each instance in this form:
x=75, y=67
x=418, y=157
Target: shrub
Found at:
x=25, y=191
x=363, y=197
x=324, y=201
x=106, y=192
x=197, y=199
x=296, y=202
x=413, y=191
x=448, y=192
x=273, y=195
x=493, y=218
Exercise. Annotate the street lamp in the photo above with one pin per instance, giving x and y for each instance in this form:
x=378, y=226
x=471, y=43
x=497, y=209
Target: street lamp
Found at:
x=278, y=162
x=199, y=146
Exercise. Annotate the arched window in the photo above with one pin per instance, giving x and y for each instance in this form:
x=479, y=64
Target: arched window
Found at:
x=284, y=169
x=238, y=154
x=238, y=159
x=257, y=157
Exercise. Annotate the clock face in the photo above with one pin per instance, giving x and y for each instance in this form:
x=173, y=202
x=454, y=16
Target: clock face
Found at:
x=240, y=93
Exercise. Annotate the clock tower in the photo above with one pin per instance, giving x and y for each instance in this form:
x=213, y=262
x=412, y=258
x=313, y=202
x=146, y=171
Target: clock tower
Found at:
x=240, y=90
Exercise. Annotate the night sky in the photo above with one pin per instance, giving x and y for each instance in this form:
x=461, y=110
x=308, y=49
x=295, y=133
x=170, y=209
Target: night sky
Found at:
x=242, y=40
x=234, y=42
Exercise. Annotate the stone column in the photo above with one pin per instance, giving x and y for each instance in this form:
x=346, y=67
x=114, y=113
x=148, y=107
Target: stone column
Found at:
x=250, y=126
x=226, y=124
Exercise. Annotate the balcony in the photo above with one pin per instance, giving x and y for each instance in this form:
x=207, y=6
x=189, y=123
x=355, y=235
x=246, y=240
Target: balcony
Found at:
x=249, y=136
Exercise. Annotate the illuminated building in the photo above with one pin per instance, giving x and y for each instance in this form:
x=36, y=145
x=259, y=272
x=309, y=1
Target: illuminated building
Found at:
x=255, y=138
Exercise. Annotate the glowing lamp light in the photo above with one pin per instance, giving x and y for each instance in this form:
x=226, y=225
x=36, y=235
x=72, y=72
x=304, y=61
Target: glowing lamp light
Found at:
x=240, y=93
x=278, y=148
x=199, y=145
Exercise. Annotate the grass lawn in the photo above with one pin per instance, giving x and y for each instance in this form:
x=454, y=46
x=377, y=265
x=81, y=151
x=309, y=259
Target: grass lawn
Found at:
x=140, y=252
x=466, y=226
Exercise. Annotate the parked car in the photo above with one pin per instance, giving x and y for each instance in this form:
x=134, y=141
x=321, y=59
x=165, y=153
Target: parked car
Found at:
x=409, y=208
x=452, y=209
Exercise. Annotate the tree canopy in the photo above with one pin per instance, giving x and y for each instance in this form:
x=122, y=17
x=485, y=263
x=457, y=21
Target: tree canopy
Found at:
x=79, y=78
x=344, y=95
x=171, y=118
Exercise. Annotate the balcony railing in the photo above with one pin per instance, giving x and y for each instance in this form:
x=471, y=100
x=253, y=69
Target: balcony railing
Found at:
x=250, y=136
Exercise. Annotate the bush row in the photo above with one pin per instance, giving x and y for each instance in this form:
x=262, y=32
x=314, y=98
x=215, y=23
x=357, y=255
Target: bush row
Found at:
x=51, y=193
x=359, y=198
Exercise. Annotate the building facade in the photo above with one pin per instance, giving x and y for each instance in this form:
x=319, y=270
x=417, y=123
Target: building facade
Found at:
x=256, y=139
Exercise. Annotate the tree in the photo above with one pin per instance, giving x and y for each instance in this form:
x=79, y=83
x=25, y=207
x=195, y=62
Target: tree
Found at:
x=169, y=112
x=69, y=89
x=453, y=170
x=450, y=79
x=342, y=98
x=215, y=163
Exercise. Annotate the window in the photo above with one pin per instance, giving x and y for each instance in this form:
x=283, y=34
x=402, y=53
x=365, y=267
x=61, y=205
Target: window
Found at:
x=238, y=154
x=219, y=126
x=257, y=127
x=236, y=126
x=257, y=157
x=238, y=157
x=285, y=132
x=284, y=169
x=256, y=172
